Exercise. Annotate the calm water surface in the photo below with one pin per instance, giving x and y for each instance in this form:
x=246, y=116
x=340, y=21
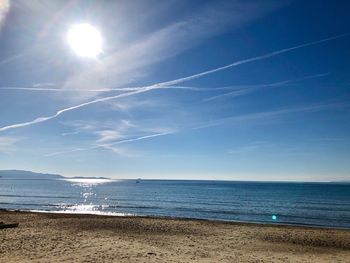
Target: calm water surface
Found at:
x=291, y=203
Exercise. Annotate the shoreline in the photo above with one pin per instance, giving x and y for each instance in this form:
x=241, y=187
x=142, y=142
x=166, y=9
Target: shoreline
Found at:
x=107, y=214
x=62, y=237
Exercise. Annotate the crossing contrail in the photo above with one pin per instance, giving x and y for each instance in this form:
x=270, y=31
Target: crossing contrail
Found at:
x=163, y=85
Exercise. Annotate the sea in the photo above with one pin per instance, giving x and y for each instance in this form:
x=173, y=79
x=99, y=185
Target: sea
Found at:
x=310, y=204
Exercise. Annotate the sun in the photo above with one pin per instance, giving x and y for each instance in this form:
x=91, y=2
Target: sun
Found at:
x=85, y=40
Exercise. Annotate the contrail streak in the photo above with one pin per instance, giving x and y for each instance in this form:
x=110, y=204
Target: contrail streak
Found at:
x=111, y=144
x=42, y=119
x=268, y=114
x=10, y=59
x=172, y=82
x=252, y=88
x=101, y=90
x=140, y=138
x=253, y=59
x=239, y=118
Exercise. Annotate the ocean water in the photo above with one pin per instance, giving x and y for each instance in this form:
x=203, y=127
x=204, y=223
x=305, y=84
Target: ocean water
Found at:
x=316, y=204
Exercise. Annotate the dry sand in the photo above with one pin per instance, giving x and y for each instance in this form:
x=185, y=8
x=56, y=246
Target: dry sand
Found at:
x=87, y=238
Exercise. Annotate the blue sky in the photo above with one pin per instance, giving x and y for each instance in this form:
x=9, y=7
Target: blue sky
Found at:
x=231, y=90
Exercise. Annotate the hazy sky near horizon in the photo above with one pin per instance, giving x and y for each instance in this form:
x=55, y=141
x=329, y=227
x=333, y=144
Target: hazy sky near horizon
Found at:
x=234, y=90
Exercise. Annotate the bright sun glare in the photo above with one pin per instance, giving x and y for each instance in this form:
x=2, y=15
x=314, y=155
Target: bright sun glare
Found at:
x=85, y=40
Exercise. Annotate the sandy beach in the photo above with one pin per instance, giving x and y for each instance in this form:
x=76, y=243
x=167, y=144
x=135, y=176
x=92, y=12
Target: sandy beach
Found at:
x=44, y=237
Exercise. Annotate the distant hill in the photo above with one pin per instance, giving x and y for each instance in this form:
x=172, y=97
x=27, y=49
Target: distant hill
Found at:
x=20, y=174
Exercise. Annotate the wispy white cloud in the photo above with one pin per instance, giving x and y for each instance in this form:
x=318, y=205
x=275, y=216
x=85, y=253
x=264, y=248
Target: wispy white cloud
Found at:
x=103, y=130
x=163, y=85
x=7, y=144
x=4, y=8
x=110, y=146
x=251, y=118
x=118, y=132
x=109, y=135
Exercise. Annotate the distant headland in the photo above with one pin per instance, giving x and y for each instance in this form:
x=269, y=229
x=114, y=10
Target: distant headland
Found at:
x=22, y=174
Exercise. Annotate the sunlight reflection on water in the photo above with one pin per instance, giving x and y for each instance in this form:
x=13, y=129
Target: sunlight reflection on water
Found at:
x=84, y=212
x=87, y=182
x=88, y=194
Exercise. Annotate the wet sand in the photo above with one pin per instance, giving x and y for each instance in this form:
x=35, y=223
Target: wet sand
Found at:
x=87, y=238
